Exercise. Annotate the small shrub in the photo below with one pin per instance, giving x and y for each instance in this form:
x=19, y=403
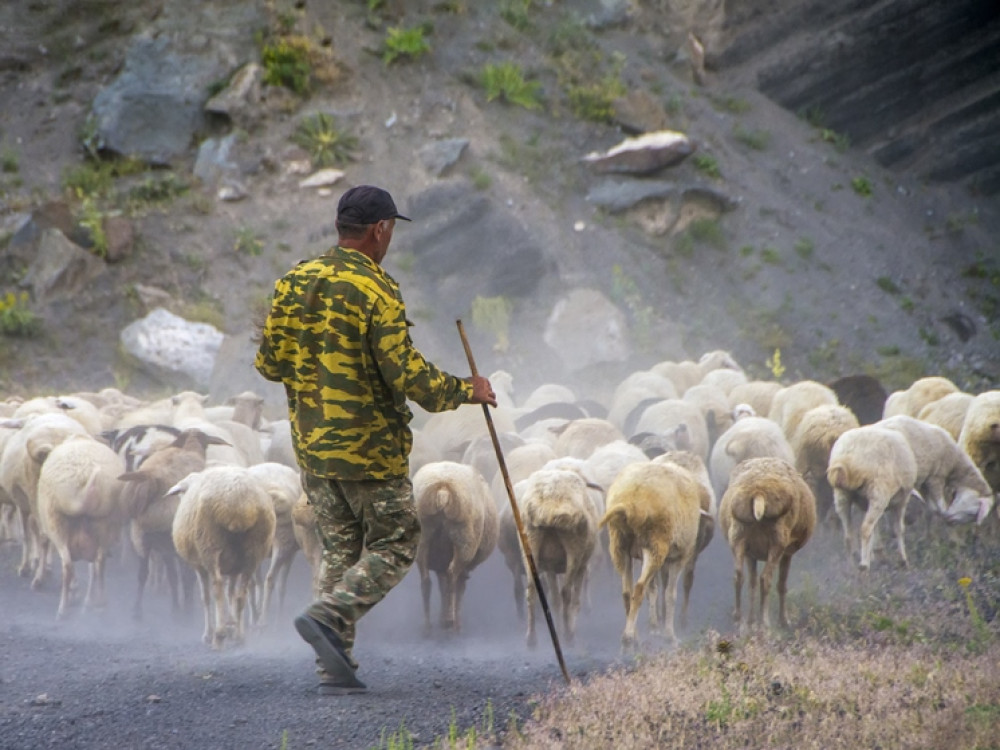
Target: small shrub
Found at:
x=16, y=317
x=594, y=102
x=746, y=251
x=841, y=141
x=9, y=162
x=907, y=304
x=92, y=219
x=929, y=337
x=402, y=43
x=887, y=285
x=481, y=179
x=327, y=145
x=889, y=350
x=506, y=81
x=517, y=13
x=158, y=190
x=731, y=104
x=247, y=241
x=758, y=140
x=805, y=248
x=773, y=364
x=708, y=165
x=770, y=255
x=286, y=63
x=862, y=186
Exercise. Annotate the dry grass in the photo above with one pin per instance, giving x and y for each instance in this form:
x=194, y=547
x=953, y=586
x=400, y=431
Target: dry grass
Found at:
x=902, y=659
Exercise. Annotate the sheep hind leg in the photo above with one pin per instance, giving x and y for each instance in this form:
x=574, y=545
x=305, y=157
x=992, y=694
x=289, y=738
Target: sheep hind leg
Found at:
x=774, y=557
x=688, y=583
x=459, y=593
x=670, y=577
x=67, y=584
x=96, y=597
x=446, y=584
x=738, y=560
x=898, y=515
x=425, y=595
x=143, y=576
x=206, y=584
x=651, y=565
x=753, y=617
x=783, y=567
x=869, y=531
x=239, y=596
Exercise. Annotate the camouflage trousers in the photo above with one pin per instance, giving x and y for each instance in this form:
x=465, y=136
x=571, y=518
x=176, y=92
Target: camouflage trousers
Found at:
x=370, y=532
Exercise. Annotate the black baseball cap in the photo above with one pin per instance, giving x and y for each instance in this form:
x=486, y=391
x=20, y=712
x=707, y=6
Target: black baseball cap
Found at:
x=366, y=204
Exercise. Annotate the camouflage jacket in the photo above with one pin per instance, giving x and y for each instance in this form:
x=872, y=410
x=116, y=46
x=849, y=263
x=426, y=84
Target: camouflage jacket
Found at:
x=337, y=338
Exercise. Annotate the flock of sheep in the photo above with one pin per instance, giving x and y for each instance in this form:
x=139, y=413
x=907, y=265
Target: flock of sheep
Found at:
x=213, y=492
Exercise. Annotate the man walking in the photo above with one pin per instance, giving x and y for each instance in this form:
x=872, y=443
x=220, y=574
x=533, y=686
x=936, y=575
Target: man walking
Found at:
x=336, y=337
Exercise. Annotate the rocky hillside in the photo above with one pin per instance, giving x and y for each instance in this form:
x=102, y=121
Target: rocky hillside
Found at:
x=156, y=155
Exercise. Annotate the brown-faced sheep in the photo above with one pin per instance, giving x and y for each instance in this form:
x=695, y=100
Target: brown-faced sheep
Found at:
x=560, y=525
x=458, y=522
x=811, y=444
x=873, y=467
x=224, y=528
x=80, y=512
x=921, y=392
x=653, y=512
x=152, y=511
x=980, y=436
x=767, y=515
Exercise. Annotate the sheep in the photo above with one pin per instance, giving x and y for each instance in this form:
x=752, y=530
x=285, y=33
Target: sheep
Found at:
x=759, y=394
x=80, y=512
x=653, y=512
x=284, y=485
x=749, y=437
x=224, y=528
x=706, y=523
x=152, y=512
x=862, y=394
x=946, y=476
x=980, y=436
x=280, y=448
x=21, y=462
x=811, y=444
x=724, y=379
x=459, y=527
x=653, y=444
x=687, y=373
x=307, y=537
x=666, y=415
x=548, y=393
x=714, y=405
x=873, y=467
x=482, y=454
x=557, y=411
x=948, y=412
x=767, y=514
x=521, y=462
x=638, y=387
x=134, y=443
x=246, y=408
x=792, y=402
x=581, y=437
x=450, y=432
x=560, y=525
x=921, y=392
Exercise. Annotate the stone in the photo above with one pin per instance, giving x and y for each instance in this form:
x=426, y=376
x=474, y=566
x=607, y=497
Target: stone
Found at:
x=214, y=162
x=643, y=154
x=119, y=233
x=586, y=328
x=438, y=156
x=240, y=100
x=174, y=350
x=60, y=268
x=322, y=178
x=637, y=112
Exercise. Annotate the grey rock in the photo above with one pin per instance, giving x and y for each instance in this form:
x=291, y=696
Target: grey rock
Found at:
x=215, y=161
x=449, y=220
x=643, y=154
x=615, y=196
x=172, y=349
x=60, y=267
x=438, y=156
x=586, y=328
x=240, y=100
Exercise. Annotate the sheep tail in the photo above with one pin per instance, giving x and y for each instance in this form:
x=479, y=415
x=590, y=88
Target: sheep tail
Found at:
x=441, y=499
x=89, y=501
x=236, y=518
x=616, y=514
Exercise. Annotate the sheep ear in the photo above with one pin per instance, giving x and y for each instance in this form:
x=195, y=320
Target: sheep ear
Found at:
x=918, y=496
x=13, y=423
x=985, y=506
x=705, y=513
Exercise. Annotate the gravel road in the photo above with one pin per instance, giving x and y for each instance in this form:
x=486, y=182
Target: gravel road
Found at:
x=102, y=680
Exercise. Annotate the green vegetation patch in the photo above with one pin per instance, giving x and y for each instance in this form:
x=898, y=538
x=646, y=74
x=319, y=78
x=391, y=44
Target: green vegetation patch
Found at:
x=505, y=81
x=403, y=43
x=327, y=144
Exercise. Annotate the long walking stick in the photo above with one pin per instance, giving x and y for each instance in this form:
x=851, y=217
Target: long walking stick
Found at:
x=525, y=548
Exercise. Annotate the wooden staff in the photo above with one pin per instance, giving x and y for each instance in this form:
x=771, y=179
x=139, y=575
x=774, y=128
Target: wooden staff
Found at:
x=525, y=548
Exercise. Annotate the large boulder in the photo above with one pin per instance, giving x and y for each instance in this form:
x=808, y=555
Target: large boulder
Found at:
x=60, y=268
x=176, y=351
x=586, y=328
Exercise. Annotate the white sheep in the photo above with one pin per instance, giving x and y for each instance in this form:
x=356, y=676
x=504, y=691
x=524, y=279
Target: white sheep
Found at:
x=560, y=525
x=307, y=536
x=24, y=453
x=80, y=512
x=224, y=528
x=749, y=437
x=687, y=373
x=653, y=512
x=723, y=378
x=714, y=405
x=766, y=515
x=581, y=437
x=921, y=392
x=548, y=393
x=664, y=416
x=873, y=467
x=280, y=448
x=759, y=394
x=458, y=531
x=638, y=387
x=947, y=479
x=811, y=444
x=948, y=412
x=792, y=402
x=284, y=486
x=980, y=436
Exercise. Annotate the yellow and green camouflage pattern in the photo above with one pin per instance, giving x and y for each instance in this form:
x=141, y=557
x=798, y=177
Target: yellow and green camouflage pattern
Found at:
x=337, y=338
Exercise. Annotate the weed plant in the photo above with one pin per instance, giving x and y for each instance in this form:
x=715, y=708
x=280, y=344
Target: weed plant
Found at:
x=9, y=162
x=708, y=165
x=492, y=315
x=248, y=242
x=862, y=186
x=16, y=316
x=505, y=81
x=758, y=140
x=286, y=62
x=405, y=44
x=327, y=144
